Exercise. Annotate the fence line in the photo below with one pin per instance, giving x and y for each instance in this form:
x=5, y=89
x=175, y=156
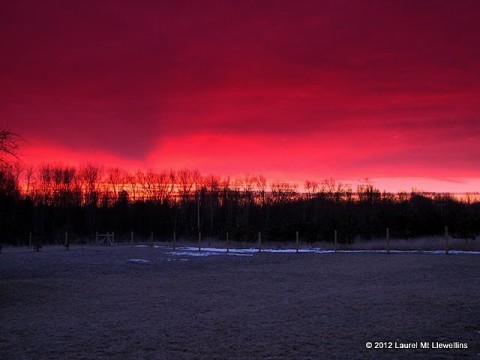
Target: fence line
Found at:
x=424, y=243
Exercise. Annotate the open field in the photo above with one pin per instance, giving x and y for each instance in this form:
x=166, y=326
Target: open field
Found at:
x=127, y=302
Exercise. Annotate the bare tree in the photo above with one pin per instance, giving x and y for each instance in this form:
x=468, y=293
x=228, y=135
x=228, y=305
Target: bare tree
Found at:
x=185, y=184
x=132, y=185
x=262, y=189
x=9, y=145
x=29, y=178
x=283, y=192
x=89, y=178
x=45, y=178
x=311, y=188
x=116, y=178
x=212, y=184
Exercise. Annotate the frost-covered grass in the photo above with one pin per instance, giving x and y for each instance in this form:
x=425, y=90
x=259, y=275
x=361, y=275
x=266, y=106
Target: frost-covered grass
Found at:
x=143, y=302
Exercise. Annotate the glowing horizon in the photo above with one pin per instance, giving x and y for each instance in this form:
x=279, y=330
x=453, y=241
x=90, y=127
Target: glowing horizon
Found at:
x=52, y=156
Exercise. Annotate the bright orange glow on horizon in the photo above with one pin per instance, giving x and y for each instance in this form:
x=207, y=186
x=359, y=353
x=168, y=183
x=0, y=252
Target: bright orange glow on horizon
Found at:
x=219, y=165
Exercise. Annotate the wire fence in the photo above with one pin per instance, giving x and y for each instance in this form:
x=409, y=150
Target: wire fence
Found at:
x=387, y=244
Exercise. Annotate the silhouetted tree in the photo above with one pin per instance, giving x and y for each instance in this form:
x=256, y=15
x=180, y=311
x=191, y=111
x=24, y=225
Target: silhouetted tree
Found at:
x=9, y=145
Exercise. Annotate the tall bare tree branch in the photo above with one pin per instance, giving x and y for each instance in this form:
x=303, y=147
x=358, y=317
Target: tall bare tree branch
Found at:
x=9, y=144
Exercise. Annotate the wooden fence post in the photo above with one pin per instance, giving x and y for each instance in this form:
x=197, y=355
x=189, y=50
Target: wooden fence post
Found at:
x=446, y=240
x=335, y=240
x=296, y=240
x=36, y=244
x=387, y=235
x=259, y=241
x=228, y=245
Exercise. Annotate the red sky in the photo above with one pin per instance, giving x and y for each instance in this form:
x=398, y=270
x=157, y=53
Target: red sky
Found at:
x=293, y=90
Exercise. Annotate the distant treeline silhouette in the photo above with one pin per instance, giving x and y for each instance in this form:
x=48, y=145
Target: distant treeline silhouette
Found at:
x=50, y=200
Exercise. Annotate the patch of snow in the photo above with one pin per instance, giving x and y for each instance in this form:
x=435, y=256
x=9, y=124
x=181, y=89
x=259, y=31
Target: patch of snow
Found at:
x=193, y=251
x=189, y=253
x=462, y=252
x=204, y=252
x=208, y=251
x=139, y=261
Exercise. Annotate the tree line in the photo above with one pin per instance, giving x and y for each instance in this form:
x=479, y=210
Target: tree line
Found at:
x=50, y=200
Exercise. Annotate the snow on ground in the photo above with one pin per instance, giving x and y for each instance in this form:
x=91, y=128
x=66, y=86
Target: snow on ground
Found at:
x=205, y=253
x=219, y=251
x=138, y=261
x=210, y=251
x=184, y=253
